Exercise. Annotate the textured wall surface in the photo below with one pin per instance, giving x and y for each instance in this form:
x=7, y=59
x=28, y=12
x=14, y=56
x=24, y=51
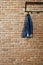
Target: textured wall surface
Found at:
x=15, y=50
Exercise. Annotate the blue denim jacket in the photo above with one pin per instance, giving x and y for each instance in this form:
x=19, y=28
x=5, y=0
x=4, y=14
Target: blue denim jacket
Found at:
x=28, y=26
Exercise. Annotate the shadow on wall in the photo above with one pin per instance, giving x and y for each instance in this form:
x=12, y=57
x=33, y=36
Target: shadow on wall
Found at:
x=28, y=27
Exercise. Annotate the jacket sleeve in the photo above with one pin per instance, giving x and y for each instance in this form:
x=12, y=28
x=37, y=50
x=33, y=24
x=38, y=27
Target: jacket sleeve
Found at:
x=31, y=27
x=24, y=31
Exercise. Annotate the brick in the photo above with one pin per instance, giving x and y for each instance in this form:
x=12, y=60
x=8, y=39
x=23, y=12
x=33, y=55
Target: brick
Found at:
x=15, y=50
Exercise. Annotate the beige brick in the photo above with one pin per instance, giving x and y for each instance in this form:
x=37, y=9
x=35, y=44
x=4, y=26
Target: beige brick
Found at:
x=15, y=50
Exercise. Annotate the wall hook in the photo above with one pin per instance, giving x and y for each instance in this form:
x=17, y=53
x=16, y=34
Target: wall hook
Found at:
x=33, y=3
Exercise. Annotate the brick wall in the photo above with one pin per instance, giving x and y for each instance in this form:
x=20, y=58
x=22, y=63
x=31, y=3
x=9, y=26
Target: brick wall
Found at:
x=15, y=50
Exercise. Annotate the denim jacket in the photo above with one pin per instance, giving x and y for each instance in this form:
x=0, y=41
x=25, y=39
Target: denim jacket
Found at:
x=28, y=26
